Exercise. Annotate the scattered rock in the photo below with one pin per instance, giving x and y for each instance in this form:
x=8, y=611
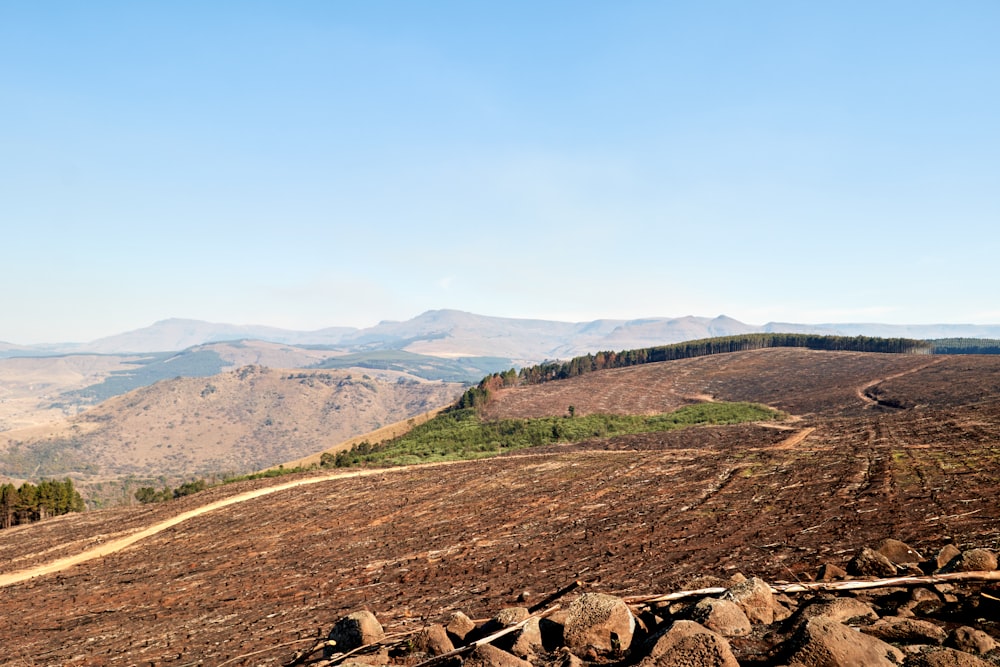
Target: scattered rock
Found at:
x=948, y=553
x=596, y=628
x=529, y=640
x=490, y=656
x=757, y=601
x=353, y=631
x=974, y=560
x=722, y=616
x=898, y=552
x=905, y=630
x=871, y=563
x=823, y=642
x=598, y=622
x=433, y=640
x=936, y=656
x=830, y=572
x=511, y=616
x=459, y=626
x=971, y=640
x=689, y=644
x=842, y=610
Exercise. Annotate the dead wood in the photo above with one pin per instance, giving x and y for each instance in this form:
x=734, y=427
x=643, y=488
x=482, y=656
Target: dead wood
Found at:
x=468, y=648
x=555, y=596
x=851, y=585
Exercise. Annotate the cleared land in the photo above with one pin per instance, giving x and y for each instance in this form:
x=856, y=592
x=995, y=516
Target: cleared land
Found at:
x=630, y=515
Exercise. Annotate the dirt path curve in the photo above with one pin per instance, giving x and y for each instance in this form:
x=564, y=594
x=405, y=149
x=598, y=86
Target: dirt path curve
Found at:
x=121, y=543
x=124, y=542
x=862, y=391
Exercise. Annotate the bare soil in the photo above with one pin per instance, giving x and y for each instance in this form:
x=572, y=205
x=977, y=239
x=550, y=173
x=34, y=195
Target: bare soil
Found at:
x=631, y=515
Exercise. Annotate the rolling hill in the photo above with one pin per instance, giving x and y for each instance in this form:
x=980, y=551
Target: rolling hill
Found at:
x=234, y=422
x=877, y=446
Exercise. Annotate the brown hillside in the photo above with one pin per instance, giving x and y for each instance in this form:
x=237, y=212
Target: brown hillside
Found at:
x=638, y=514
x=239, y=421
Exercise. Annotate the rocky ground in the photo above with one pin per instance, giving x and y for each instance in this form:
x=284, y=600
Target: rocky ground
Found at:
x=939, y=611
x=880, y=447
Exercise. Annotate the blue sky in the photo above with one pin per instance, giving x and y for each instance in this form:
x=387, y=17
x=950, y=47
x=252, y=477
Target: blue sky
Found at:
x=310, y=164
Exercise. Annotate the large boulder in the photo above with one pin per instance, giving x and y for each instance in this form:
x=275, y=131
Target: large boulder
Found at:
x=353, y=631
x=905, y=630
x=490, y=656
x=690, y=644
x=823, y=642
x=757, y=601
x=948, y=553
x=937, y=656
x=511, y=616
x=722, y=616
x=598, y=623
x=971, y=640
x=974, y=560
x=842, y=610
x=433, y=640
x=528, y=641
x=459, y=626
x=898, y=552
x=871, y=563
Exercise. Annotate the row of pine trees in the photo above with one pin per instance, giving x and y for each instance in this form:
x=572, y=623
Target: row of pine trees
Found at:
x=554, y=370
x=30, y=502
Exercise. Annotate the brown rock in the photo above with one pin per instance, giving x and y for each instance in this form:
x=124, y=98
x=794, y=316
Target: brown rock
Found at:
x=842, y=610
x=756, y=600
x=567, y=659
x=689, y=644
x=934, y=656
x=511, y=616
x=490, y=656
x=898, y=552
x=529, y=640
x=905, y=630
x=871, y=563
x=971, y=640
x=822, y=642
x=602, y=623
x=831, y=572
x=974, y=560
x=354, y=630
x=948, y=553
x=459, y=626
x=722, y=616
x=433, y=640
x=377, y=659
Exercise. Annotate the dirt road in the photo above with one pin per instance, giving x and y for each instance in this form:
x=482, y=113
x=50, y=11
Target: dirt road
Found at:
x=124, y=542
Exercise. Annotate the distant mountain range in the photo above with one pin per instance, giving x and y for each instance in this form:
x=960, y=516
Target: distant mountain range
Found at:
x=453, y=334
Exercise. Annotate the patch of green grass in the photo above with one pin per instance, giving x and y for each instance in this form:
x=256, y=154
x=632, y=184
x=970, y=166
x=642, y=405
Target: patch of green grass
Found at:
x=461, y=434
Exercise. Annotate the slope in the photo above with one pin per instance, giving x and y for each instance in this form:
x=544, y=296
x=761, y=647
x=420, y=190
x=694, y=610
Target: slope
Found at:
x=635, y=514
x=235, y=422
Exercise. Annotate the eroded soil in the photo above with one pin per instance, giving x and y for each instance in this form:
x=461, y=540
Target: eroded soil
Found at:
x=631, y=515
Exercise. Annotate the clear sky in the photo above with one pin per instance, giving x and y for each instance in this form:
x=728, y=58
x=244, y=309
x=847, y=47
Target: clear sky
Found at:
x=308, y=164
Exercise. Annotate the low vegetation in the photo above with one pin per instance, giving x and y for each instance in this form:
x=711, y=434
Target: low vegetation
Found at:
x=461, y=434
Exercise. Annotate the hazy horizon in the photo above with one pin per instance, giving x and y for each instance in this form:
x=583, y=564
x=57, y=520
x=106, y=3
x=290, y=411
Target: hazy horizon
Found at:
x=320, y=164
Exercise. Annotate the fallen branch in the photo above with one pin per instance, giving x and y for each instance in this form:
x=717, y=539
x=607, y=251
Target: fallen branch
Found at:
x=265, y=650
x=852, y=585
x=486, y=640
x=388, y=640
x=555, y=596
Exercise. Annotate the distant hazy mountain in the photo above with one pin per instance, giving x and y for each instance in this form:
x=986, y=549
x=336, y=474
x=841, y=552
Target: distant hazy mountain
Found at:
x=453, y=333
x=180, y=334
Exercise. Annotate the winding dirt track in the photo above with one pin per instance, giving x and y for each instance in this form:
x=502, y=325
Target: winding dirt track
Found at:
x=121, y=543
